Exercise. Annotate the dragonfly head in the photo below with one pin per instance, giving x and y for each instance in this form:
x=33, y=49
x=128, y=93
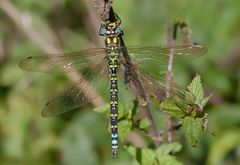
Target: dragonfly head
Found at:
x=110, y=29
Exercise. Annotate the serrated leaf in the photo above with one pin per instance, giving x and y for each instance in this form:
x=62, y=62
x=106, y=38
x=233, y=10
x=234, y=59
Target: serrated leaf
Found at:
x=144, y=124
x=167, y=148
x=168, y=160
x=179, y=101
x=102, y=109
x=195, y=88
x=144, y=156
x=190, y=98
x=148, y=156
x=171, y=108
x=131, y=150
x=124, y=127
x=192, y=129
x=130, y=109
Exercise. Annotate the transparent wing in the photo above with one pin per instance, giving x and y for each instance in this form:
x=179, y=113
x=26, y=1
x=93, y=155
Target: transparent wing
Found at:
x=81, y=93
x=157, y=87
x=152, y=85
x=64, y=62
x=90, y=57
x=160, y=55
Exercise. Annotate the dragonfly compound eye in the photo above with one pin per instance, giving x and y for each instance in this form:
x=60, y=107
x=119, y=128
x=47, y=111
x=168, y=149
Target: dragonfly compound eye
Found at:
x=118, y=30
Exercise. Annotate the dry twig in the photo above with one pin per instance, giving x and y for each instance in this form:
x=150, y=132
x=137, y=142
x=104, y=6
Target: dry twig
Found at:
x=103, y=7
x=185, y=33
x=171, y=33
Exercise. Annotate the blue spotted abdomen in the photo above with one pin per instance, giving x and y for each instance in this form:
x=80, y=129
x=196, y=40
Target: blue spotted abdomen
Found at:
x=112, y=51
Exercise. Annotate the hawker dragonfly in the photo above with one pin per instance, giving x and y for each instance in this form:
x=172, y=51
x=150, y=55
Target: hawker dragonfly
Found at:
x=106, y=66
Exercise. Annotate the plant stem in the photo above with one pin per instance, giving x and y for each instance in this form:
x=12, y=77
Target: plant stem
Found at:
x=171, y=41
x=103, y=7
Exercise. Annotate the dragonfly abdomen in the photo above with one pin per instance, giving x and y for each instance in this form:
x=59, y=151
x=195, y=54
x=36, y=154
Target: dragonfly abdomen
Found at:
x=114, y=114
x=112, y=52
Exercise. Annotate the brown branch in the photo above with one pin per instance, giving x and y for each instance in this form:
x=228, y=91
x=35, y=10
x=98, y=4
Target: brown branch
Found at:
x=155, y=135
x=23, y=23
x=171, y=41
x=1, y=51
x=171, y=34
x=185, y=33
x=103, y=7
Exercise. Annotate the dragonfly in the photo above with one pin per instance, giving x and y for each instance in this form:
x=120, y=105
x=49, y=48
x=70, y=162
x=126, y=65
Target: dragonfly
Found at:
x=106, y=66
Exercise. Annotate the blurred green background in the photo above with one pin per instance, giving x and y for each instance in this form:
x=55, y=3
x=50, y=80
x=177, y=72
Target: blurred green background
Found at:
x=29, y=28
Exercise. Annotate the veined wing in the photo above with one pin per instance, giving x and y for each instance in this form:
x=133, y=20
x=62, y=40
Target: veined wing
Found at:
x=182, y=98
x=157, y=89
x=160, y=55
x=80, y=93
x=64, y=62
x=156, y=85
x=153, y=85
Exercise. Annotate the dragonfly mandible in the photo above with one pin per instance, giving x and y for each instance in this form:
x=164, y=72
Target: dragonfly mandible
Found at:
x=109, y=61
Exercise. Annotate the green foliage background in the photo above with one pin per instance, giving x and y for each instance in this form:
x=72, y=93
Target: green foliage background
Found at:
x=80, y=137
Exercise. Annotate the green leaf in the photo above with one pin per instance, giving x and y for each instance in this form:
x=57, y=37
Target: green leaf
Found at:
x=189, y=97
x=163, y=153
x=195, y=87
x=168, y=148
x=180, y=101
x=124, y=127
x=131, y=108
x=171, y=108
x=148, y=156
x=192, y=129
x=131, y=150
x=144, y=123
x=144, y=156
x=102, y=109
x=168, y=160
